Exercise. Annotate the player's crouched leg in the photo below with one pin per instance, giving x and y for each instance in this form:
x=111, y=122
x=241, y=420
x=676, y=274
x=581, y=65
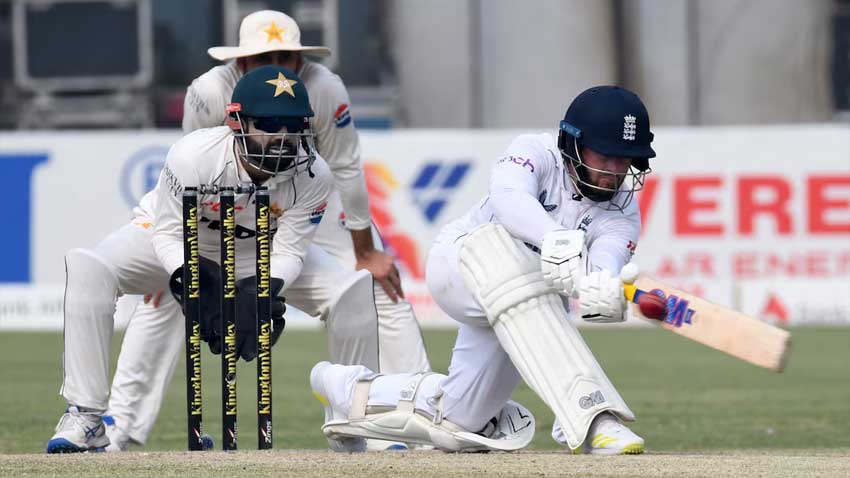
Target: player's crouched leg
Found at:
x=350, y=415
x=606, y=436
x=330, y=384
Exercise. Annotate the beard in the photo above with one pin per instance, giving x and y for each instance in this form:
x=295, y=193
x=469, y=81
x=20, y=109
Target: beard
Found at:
x=596, y=195
x=610, y=181
x=272, y=158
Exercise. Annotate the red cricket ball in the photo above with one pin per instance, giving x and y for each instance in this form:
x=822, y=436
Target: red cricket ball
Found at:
x=652, y=306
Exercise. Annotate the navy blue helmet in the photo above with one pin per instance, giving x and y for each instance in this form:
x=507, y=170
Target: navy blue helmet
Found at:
x=611, y=121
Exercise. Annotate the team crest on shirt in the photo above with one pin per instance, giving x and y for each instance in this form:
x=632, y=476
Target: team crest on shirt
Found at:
x=631, y=246
x=342, y=116
x=316, y=214
x=585, y=222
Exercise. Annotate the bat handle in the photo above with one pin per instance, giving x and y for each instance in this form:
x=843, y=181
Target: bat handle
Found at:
x=632, y=292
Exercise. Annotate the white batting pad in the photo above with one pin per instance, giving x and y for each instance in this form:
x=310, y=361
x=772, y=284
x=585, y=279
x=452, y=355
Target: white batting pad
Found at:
x=533, y=327
x=512, y=430
x=353, y=323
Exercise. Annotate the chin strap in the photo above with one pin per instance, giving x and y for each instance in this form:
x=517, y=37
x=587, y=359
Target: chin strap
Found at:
x=307, y=150
x=585, y=189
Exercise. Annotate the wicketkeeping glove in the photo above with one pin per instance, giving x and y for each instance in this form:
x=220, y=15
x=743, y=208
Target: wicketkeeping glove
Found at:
x=246, y=315
x=210, y=275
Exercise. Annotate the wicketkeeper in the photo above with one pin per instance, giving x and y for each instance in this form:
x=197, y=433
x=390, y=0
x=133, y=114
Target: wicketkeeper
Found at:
x=268, y=141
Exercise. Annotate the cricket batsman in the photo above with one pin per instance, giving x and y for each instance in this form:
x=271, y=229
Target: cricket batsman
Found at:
x=153, y=341
x=268, y=141
x=558, y=223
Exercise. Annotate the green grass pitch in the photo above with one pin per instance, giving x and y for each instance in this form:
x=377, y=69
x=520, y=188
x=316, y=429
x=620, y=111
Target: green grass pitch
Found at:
x=686, y=396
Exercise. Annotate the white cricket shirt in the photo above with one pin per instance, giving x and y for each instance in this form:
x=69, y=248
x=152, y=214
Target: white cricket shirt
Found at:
x=530, y=194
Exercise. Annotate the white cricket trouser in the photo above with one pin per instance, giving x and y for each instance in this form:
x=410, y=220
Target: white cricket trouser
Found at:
x=481, y=376
x=154, y=339
x=128, y=254
x=123, y=263
x=145, y=366
x=401, y=345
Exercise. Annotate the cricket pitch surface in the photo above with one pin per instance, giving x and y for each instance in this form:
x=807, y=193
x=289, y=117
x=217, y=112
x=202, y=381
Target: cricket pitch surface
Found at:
x=422, y=464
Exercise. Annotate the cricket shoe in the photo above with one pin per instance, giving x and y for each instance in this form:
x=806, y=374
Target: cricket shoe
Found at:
x=322, y=379
x=608, y=436
x=119, y=440
x=78, y=431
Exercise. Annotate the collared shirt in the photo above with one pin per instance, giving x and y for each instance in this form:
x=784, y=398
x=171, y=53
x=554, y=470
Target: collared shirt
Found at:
x=206, y=157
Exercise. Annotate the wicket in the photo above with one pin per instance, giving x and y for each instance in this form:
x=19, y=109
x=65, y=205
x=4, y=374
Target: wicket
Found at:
x=191, y=300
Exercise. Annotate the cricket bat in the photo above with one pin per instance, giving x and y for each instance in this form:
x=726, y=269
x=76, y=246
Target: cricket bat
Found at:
x=718, y=327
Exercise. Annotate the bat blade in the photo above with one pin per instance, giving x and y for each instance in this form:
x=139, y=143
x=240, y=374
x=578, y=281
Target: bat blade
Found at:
x=718, y=327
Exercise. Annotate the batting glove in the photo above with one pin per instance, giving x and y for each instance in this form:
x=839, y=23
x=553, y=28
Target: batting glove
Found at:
x=601, y=298
x=562, y=260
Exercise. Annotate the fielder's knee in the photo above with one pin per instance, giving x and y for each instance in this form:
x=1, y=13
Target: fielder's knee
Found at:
x=90, y=281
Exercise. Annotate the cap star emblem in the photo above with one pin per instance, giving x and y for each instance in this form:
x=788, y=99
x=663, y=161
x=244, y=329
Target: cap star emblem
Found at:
x=282, y=84
x=274, y=32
